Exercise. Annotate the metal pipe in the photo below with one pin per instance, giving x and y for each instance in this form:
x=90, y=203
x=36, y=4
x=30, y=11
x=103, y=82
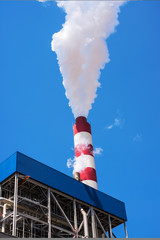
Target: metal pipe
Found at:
x=4, y=214
x=125, y=228
x=79, y=229
x=85, y=221
x=76, y=176
x=15, y=204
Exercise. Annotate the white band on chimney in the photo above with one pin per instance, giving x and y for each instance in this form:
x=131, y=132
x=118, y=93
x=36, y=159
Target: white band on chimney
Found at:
x=88, y=160
x=91, y=183
x=82, y=138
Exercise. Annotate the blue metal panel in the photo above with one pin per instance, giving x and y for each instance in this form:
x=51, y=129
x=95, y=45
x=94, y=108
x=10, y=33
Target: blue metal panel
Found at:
x=67, y=185
x=8, y=167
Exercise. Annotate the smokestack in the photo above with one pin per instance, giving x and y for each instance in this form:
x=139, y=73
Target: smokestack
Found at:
x=84, y=149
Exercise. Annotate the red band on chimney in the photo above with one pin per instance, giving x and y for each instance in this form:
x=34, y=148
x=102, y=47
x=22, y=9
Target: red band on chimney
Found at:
x=81, y=125
x=88, y=174
x=83, y=149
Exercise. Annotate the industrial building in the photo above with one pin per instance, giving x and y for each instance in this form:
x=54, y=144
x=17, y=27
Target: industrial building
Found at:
x=37, y=201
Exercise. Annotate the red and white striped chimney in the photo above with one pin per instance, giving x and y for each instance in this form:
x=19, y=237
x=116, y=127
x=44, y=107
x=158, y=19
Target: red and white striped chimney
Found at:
x=84, y=149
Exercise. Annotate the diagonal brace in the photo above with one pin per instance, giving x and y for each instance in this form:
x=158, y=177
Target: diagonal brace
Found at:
x=62, y=212
x=101, y=225
x=3, y=219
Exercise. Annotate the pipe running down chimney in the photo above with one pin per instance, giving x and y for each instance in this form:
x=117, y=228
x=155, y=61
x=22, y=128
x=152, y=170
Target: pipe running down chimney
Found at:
x=84, y=149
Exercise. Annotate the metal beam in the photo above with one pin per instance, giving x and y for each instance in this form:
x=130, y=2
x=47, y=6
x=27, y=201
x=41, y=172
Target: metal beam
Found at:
x=62, y=212
x=52, y=189
x=15, y=204
x=106, y=215
x=62, y=229
x=49, y=213
x=125, y=228
x=31, y=228
x=110, y=226
x=44, y=194
x=114, y=235
x=80, y=227
x=71, y=198
x=2, y=220
x=0, y=190
x=23, y=226
x=101, y=225
x=33, y=218
x=34, y=207
x=8, y=179
x=94, y=235
x=75, y=218
x=31, y=201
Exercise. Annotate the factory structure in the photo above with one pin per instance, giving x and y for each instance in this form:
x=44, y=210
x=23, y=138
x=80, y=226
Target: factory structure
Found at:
x=37, y=201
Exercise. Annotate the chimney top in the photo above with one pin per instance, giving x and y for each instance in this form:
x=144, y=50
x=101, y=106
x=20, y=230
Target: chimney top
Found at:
x=81, y=119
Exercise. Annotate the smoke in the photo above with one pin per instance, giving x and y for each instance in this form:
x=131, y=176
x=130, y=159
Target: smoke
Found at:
x=79, y=163
x=82, y=50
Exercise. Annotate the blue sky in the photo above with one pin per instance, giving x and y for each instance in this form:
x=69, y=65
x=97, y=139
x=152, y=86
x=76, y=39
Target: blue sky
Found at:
x=37, y=121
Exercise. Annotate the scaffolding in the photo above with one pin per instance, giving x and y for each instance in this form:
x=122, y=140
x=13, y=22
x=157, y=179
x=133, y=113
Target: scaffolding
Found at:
x=31, y=209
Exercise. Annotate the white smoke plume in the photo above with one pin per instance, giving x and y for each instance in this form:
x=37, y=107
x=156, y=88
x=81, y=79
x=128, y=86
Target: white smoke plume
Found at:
x=82, y=50
x=78, y=164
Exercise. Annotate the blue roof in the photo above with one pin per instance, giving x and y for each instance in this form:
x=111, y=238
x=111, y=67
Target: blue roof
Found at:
x=18, y=162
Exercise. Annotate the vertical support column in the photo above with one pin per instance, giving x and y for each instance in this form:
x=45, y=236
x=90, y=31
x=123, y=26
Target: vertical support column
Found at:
x=1, y=213
x=15, y=204
x=31, y=228
x=110, y=226
x=94, y=235
x=49, y=213
x=125, y=229
x=23, y=226
x=3, y=227
x=75, y=218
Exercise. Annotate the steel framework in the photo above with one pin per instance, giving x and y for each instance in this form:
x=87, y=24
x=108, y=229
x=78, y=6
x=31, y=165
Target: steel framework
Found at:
x=31, y=209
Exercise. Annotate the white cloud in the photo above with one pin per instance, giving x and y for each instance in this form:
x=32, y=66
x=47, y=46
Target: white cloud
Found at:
x=110, y=126
x=98, y=151
x=137, y=138
x=70, y=162
x=118, y=122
